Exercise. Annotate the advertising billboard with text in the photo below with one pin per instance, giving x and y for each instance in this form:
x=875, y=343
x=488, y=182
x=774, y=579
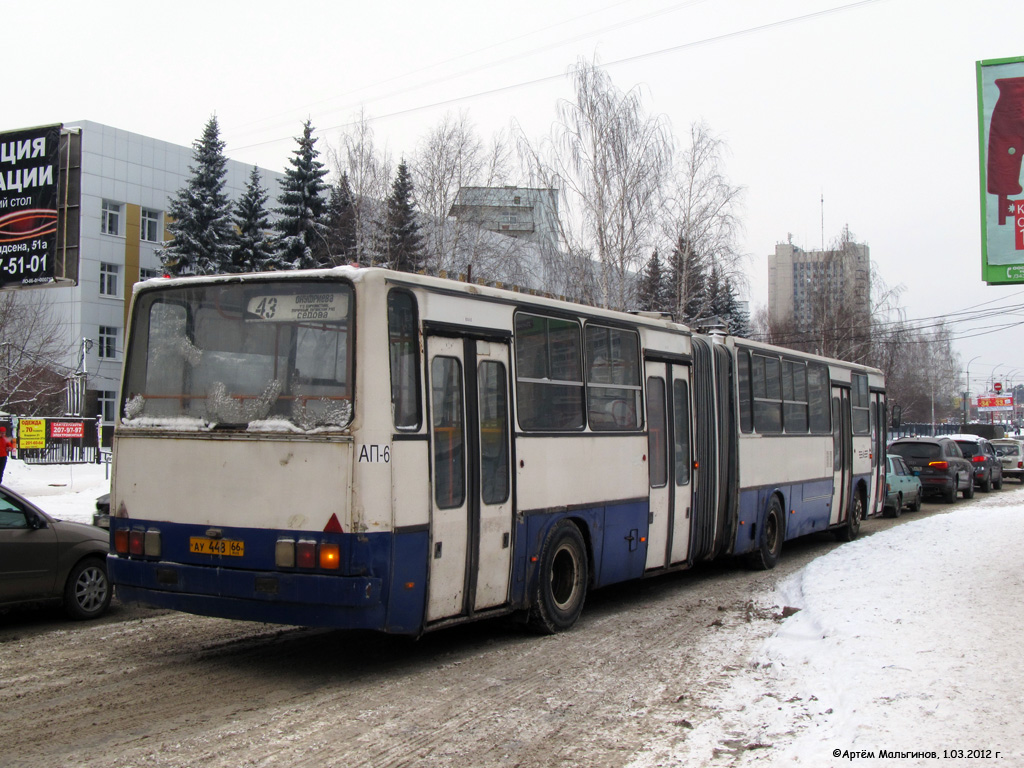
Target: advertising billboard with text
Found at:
x=29, y=172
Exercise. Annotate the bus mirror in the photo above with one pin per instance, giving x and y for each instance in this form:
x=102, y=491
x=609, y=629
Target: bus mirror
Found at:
x=894, y=419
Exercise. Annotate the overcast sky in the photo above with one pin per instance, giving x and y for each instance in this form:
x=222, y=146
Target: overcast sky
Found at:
x=870, y=105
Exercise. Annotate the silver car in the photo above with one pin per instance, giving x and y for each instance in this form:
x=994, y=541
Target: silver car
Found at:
x=1011, y=453
x=47, y=560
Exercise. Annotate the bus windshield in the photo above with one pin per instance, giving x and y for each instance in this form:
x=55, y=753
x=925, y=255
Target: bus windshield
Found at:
x=253, y=355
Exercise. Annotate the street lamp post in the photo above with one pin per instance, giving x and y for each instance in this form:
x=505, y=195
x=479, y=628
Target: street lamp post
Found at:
x=967, y=396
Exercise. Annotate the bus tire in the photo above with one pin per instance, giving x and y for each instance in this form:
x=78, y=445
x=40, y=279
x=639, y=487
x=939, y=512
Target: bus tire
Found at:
x=849, y=530
x=773, y=532
x=561, y=584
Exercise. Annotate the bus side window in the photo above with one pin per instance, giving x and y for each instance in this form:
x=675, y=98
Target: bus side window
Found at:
x=681, y=431
x=449, y=441
x=657, y=446
x=745, y=399
x=404, y=351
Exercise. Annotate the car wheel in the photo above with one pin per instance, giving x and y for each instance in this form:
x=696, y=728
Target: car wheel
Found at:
x=986, y=484
x=849, y=531
x=969, y=490
x=916, y=506
x=87, y=591
x=949, y=495
x=998, y=484
x=562, y=580
x=899, y=506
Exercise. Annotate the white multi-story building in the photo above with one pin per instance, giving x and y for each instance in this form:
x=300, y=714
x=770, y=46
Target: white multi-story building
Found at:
x=797, y=277
x=125, y=185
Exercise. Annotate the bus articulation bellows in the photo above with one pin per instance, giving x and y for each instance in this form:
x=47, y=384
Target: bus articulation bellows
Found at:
x=361, y=448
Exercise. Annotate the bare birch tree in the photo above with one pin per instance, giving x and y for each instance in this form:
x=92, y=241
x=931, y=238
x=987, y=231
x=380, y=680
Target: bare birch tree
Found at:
x=700, y=223
x=369, y=174
x=609, y=159
x=33, y=348
x=449, y=159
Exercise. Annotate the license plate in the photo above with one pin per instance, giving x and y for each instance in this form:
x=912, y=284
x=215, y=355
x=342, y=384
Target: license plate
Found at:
x=229, y=547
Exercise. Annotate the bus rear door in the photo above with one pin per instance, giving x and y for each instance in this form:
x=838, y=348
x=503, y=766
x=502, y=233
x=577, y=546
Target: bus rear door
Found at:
x=471, y=501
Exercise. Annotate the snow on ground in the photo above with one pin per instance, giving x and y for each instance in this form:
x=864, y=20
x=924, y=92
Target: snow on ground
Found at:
x=65, y=491
x=907, y=641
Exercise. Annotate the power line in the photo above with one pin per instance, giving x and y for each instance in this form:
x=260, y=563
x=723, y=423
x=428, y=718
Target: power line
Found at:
x=549, y=78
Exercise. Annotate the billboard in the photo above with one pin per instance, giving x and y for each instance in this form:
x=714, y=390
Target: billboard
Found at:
x=990, y=404
x=1001, y=136
x=29, y=172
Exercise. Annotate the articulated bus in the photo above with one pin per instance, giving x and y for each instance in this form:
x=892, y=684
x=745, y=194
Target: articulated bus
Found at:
x=361, y=448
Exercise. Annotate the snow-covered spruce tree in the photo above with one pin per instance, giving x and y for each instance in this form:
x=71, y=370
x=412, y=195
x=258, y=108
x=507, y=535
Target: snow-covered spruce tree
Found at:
x=402, y=232
x=199, y=215
x=252, y=246
x=302, y=213
x=341, y=222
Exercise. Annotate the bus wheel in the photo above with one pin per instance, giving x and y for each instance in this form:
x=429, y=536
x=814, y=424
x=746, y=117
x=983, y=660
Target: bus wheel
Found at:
x=849, y=531
x=561, y=584
x=772, y=533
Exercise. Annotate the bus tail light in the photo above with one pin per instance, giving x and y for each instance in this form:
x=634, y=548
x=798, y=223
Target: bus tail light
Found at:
x=151, y=546
x=940, y=465
x=305, y=554
x=330, y=556
x=284, y=553
x=136, y=542
x=121, y=541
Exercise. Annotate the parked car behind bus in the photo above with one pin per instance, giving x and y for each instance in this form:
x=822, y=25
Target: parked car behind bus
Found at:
x=1011, y=453
x=902, y=487
x=940, y=465
x=988, y=469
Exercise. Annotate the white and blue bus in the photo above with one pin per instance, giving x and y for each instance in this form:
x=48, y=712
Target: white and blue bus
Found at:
x=361, y=448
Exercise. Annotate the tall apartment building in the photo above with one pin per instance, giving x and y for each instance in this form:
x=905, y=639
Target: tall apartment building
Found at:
x=121, y=185
x=796, y=278
x=521, y=212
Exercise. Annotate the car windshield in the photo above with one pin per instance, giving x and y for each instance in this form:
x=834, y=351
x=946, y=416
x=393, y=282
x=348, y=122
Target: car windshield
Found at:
x=968, y=449
x=252, y=355
x=1008, y=449
x=916, y=450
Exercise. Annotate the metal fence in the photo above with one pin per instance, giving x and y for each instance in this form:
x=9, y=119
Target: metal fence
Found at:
x=925, y=430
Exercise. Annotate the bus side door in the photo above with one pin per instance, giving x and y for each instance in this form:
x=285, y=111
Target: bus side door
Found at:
x=471, y=500
x=842, y=455
x=669, y=462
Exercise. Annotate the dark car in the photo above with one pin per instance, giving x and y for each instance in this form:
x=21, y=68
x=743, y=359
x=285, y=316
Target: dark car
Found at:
x=988, y=468
x=44, y=560
x=939, y=463
x=101, y=516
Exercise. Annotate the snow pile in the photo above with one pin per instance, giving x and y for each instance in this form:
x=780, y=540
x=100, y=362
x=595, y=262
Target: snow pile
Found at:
x=906, y=644
x=65, y=491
